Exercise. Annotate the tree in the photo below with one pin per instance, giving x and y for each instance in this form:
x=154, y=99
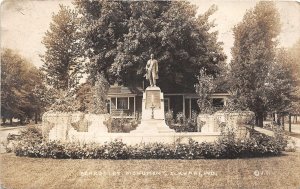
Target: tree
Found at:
x=18, y=79
x=99, y=95
x=92, y=98
x=294, y=54
x=45, y=95
x=281, y=82
x=258, y=79
x=84, y=96
x=62, y=64
x=205, y=88
x=119, y=37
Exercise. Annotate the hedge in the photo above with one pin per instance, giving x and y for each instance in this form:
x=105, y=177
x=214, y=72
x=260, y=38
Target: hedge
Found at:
x=227, y=146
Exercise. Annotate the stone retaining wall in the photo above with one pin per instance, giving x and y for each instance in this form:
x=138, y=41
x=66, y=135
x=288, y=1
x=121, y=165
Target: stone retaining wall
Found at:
x=86, y=128
x=69, y=126
x=234, y=121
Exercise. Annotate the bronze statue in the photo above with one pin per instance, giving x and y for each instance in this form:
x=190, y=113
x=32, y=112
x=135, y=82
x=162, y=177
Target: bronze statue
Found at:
x=152, y=71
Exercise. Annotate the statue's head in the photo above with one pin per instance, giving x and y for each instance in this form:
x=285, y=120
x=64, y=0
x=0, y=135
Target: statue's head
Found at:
x=152, y=56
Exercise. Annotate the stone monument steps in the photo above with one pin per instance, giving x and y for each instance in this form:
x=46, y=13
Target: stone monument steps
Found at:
x=153, y=126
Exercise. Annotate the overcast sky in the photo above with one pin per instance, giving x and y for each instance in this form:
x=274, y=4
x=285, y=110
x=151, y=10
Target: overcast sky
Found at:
x=24, y=22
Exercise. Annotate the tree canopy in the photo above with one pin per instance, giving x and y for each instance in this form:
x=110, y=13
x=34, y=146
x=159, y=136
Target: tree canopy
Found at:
x=19, y=78
x=62, y=64
x=294, y=64
x=119, y=37
x=260, y=81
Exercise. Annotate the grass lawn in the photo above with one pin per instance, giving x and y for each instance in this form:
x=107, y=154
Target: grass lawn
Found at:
x=271, y=172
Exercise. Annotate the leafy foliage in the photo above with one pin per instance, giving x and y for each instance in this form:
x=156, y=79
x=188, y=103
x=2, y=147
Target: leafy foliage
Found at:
x=62, y=64
x=121, y=125
x=281, y=82
x=92, y=98
x=19, y=81
x=169, y=117
x=65, y=102
x=205, y=87
x=181, y=123
x=258, y=81
x=29, y=136
x=87, y=98
x=293, y=55
x=119, y=37
x=99, y=91
x=226, y=147
x=84, y=96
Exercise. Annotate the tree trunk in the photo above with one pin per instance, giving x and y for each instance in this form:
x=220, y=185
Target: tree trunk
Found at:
x=36, y=117
x=259, y=118
x=282, y=124
x=11, y=121
x=256, y=120
x=278, y=119
x=290, y=122
x=3, y=121
x=21, y=121
x=265, y=117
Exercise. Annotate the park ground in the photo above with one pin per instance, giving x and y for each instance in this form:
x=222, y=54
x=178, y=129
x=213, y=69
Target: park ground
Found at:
x=269, y=172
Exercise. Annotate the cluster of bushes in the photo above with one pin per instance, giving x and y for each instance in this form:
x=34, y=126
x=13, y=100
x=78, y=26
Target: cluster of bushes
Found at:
x=30, y=136
x=180, y=123
x=121, y=125
x=227, y=146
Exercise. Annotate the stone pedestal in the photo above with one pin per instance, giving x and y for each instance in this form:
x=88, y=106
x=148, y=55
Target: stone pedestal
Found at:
x=153, y=98
x=153, y=114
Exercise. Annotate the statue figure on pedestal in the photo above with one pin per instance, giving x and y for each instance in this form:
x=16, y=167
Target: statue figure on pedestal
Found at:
x=152, y=71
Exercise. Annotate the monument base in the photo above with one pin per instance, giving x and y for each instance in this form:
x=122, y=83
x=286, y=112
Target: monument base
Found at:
x=153, y=114
x=153, y=126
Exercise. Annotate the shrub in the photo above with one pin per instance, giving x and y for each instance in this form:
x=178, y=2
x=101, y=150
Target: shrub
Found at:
x=228, y=146
x=30, y=143
x=169, y=118
x=30, y=136
x=183, y=124
x=121, y=125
